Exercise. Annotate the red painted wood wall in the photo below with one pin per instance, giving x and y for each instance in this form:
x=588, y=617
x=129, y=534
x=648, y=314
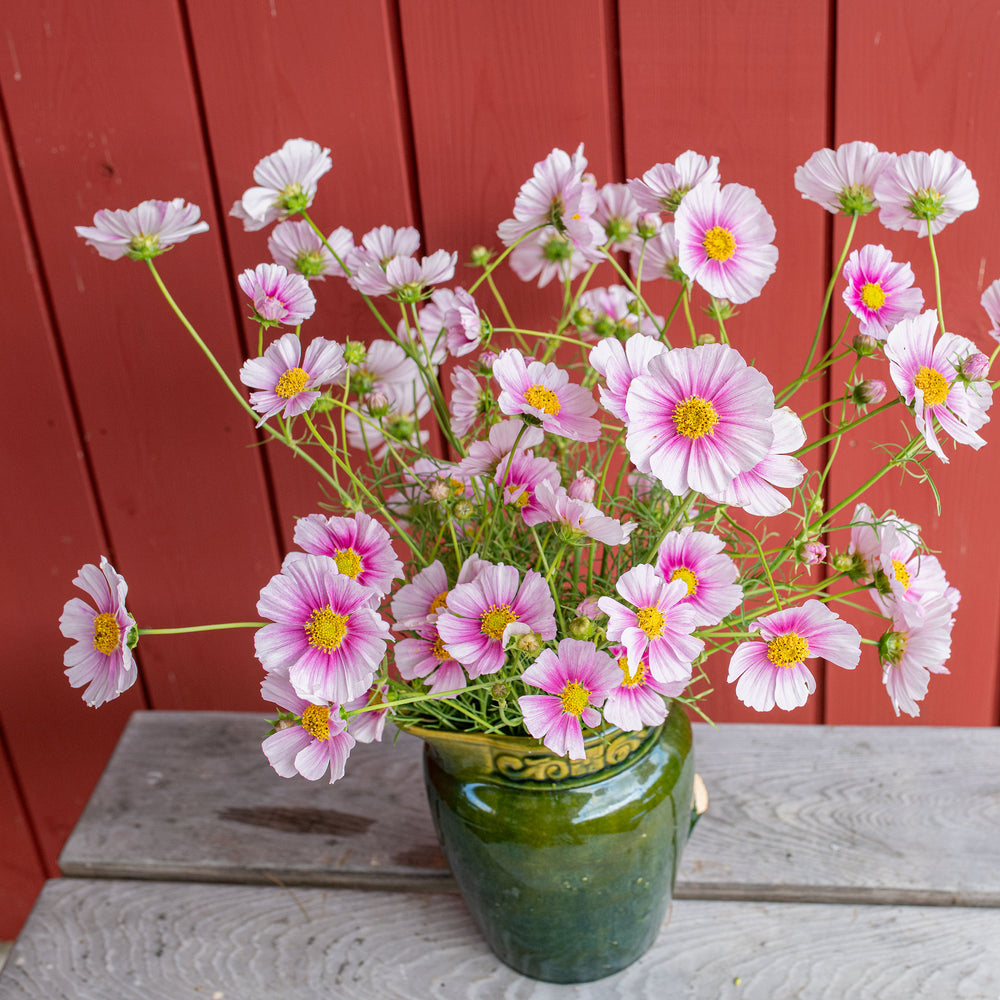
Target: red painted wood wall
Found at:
x=117, y=438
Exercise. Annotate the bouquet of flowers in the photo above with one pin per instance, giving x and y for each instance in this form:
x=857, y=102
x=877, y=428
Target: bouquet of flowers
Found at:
x=501, y=551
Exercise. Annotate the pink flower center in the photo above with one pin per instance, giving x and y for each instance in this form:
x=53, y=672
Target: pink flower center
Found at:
x=873, y=296
x=291, y=382
x=787, y=650
x=695, y=417
x=348, y=562
x=544, y=399
x=107, y=635
x=719, y=243
x=933, y=385
x=316, y=721
x=574, y=698
x=495, y=619
x=651, y=621
x=901, y=574
x=683, y=573
x=325, y=629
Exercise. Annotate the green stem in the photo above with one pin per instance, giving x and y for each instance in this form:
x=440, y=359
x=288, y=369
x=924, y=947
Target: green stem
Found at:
x=200, y=628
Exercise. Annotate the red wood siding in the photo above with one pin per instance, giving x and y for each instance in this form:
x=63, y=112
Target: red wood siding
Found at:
x=121, y=441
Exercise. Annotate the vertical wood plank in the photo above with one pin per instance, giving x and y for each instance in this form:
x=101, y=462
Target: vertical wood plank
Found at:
x=937, y=86
x=21, y=871
x=178, y=476
x=746, y=83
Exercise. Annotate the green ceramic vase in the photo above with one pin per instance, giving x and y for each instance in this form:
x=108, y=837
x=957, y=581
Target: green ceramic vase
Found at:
x=567, y=866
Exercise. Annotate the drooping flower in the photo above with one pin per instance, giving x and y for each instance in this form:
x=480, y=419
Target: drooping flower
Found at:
x=663, y=187
x=103, y=633
x=297, y=247
x=843, y=180
x=323, y=628
x=659, y=629
x=724, y=241
x=317, y=742
x=286, y=183
x=879, y=291
x=698, y=418
x=146, y=231
x=620, y=363
x=868, y=539
x=924, y=191
x=755, y=490
x=925, y=375
x=990, y=301
x=617, y=211
x=286, y=382
x=697, y=558
x=908, y=580
x=469, y=401
x=580, y=520
x=277, y=296
x=613, y=312
x=658, y=257
x=451, y=320
x=404, y=278
x=543, y=391
x=520, y=474
x=911, y=651
x=549, y=255
x=639, y=698
x=577, y=677
x=368, y=726
x=773, y=672
x=484, y=456
x=359, y=545
x=482, y=614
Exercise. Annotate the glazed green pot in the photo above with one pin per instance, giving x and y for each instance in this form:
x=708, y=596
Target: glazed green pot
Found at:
x=567, y=866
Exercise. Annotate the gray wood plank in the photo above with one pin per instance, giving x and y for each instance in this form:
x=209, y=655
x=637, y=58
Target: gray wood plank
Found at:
x=835, y=814
x=94, y=940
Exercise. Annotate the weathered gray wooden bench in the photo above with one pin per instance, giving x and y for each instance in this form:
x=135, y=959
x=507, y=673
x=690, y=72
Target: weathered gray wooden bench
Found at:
x=833, y=862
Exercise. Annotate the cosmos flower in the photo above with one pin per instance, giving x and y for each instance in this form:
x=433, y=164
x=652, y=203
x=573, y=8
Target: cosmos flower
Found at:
x=663, y=187
x=145, y=231
x=277, y=296
x=697, y=558
x=879, y=290
x=297, y=247
x=843, y=180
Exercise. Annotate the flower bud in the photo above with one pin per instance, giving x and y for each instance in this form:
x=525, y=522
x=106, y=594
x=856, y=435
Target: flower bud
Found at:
x=811, y=553
x=864, y=345
x=530, y=643
x=583, y=487
x=720, y=309
x=464, y=510
x=354, y=352
x=581, y=628
x=439, y=490
x=648, y=225
x=583, y=317
x=706, y=338
x=842, y=562
x=870, y=392
x=322, y=405
x=499, y=692
x=589, y=607
x=975, y=367
x=480, y=255
x=378, y=404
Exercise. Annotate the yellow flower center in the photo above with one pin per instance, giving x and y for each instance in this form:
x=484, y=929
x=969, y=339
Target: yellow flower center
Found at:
x=523, y=498
x=901, y=574
x=316, y=721
x=574, y=698
x=873, y=296
x=683, y=573
x=348, y=562
x=439, y=602
x=440, y=653
x=719, y=243
x=544, y=399
x=933, y=385
x=294, y=380
x=107, y=635
x=695, y=417
x=651, y=621
x=786, y=650
x=632, y=680
x=495, y=619
x=326, y=630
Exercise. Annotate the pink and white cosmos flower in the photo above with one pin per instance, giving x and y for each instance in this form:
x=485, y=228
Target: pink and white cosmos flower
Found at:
x=577, y=677
x=868, y=538
x=286, y=382
x=544, y=391
x=697, y=558
x=638, y=700
x=425, y=656
x=322, y=627
x=925, y=375
x=879, y=291
x=469, y=401
x=146, y=231
x=620, y=363
x=286, y=183
x=773, y=672
x=277, y=296
x=520, y=474
x=101, y=655
x=319, y=742
x=618, y=213
x=912, y=578
x=924, y=191
x=724, y=241
x=663, y=187
x=616, y=312
x=843, y=180
x=698, y=418
x=481, y=615
x=658, y=257
x=484, y=456
x=579, y=519
x=659, y=629
x=297, y=247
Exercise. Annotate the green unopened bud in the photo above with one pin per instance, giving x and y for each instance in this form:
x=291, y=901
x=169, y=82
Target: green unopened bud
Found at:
x=842, y=562
x=323, y=405
x=499, y=692
x=530, y=643
x=870, y=392
x=648, y=225
x=463, y=510
x=720, y=309
x=581, y=628
x=864, y=345
x=355, y=352
x=583, y=317
x=480, y=255
x=706, y=338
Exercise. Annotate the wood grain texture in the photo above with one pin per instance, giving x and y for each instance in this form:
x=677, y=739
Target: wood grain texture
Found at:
x=90, y=940
x=796, y=813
